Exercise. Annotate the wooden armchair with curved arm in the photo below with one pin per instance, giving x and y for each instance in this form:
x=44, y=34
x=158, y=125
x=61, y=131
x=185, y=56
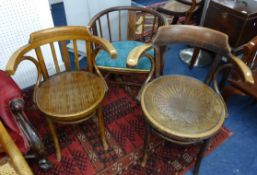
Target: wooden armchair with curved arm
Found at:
x=127, y=28
x=182, y=109
x=69, y=96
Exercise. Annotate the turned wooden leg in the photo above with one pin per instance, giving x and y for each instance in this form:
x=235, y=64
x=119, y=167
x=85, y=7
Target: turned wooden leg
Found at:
x=146, y=146
x=37, y=148
x=101, y=125
x=55, y=139
x=194, y=57
x=200, y=156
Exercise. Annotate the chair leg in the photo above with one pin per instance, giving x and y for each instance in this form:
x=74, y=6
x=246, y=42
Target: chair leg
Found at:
x=200, y=156
x=194, y=57
x=146, y=146
x=101, y=125
x=55, y=139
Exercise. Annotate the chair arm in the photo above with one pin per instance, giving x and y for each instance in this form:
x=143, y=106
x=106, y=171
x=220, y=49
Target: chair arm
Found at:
x=19, y=163
x=243, y=68
x=106, y=45
x=136, y=53
x=17, y=58
x=244, y=71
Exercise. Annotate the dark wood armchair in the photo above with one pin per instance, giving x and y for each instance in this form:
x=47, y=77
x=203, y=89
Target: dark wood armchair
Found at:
x=236, y=86
x=179, y=108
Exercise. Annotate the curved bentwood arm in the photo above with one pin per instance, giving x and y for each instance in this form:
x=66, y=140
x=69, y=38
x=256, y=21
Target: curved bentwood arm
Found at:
x=17, y=108
x=108, y=47
x=237, y=63
x=133, y=60
x=17, y=58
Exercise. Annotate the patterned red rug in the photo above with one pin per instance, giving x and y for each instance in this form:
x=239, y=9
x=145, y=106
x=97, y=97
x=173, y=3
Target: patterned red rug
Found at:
x=83, y=154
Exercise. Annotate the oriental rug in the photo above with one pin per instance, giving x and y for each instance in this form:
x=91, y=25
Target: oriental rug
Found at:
x=83, y=154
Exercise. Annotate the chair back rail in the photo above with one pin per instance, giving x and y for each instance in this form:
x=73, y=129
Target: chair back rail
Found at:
x=63, y=35
x=205, y=38
x=50, y=38
x=130, y=15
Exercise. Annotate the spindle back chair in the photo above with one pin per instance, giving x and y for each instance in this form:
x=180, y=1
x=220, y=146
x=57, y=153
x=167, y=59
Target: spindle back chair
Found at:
x=66, y=95
x=127, y=28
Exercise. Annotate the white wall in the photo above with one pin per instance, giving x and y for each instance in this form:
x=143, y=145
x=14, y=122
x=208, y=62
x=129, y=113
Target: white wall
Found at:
x=79, y=12
x=18, y=19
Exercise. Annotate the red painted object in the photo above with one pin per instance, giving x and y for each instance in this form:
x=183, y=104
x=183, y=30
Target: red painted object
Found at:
x=9, y=91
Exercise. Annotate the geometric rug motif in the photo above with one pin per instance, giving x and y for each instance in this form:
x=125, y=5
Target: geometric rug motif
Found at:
x=83, y=154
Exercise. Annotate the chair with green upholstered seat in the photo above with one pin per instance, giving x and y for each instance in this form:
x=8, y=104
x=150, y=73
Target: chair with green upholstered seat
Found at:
x=128, y=28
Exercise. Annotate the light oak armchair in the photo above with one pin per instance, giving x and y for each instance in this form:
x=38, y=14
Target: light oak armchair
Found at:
x=69, y=96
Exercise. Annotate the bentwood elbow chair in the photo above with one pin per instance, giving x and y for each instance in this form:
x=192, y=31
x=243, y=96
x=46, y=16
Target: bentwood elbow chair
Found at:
x=127, y=28
x=71, y=96
x=14, y=163
x=182, y=109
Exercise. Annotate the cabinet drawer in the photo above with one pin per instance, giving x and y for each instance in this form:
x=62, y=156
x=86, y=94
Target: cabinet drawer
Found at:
x=249, y=31
x=224, y=21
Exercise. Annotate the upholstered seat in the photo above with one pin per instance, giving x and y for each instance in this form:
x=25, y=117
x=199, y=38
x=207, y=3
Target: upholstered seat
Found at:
x=104, y=61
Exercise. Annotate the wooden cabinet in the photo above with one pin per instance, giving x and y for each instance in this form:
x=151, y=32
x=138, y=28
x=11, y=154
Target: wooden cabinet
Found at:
x=238, y=19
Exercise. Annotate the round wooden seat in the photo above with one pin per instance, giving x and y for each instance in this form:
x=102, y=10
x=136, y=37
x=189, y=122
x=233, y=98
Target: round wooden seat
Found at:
x=189, y=2
x=70, y=95
x=182, y=108
x=175, y=7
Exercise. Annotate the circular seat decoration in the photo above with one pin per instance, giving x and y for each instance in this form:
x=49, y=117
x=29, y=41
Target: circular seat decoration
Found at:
x=183, y=108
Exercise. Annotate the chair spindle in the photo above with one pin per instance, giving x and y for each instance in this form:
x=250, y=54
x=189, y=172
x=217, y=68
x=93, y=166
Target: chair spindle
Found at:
x=57, y=68
x=65, y=55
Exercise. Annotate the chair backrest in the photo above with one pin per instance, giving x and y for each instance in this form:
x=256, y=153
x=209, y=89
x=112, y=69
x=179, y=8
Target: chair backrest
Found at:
x=127, y=23
x=250, y=53
x=77, y=37
x=204, y=38
x=196, y=36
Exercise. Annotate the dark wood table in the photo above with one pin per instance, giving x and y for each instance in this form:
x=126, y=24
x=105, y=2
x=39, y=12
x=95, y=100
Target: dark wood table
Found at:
x=238, y=19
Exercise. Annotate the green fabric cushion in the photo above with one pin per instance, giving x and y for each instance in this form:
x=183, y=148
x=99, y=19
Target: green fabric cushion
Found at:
x=123, y=48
